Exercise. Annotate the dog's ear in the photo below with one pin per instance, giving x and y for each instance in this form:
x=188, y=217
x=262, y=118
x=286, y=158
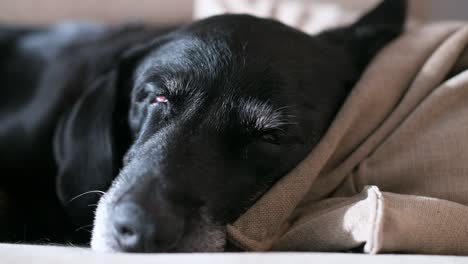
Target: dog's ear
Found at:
x=85, y=149
x=91, y=139
x=372, y=31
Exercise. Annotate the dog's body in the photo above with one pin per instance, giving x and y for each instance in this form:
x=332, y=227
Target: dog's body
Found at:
x=44, y=72
x=189, y=127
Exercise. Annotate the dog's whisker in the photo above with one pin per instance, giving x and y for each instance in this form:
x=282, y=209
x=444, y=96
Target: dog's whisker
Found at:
x=88, y=192
x=83, y=227
x=70, y=244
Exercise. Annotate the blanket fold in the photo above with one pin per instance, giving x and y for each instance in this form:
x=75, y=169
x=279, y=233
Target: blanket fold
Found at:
x=391, y=173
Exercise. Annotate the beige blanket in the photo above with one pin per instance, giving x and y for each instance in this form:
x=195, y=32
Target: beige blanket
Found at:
x=391, y=173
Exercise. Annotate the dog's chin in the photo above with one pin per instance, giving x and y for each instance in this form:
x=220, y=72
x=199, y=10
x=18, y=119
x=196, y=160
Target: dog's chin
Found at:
x=202, y=234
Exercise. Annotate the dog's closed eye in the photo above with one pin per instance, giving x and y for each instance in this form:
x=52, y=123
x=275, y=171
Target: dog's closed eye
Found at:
x=151, y=92
x=272, y=138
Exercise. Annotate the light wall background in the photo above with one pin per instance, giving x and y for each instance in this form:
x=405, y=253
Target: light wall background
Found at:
x=176, y=11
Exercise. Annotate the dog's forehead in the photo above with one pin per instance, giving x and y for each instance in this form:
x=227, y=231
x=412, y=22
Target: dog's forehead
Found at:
x=213, y=63
x=224, y=41
x=184, y=55
x=183, y=50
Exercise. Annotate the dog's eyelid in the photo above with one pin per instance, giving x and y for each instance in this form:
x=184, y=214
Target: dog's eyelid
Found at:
x=273, y=136
x=154, y=88
x=270, y=138
x=152, y=92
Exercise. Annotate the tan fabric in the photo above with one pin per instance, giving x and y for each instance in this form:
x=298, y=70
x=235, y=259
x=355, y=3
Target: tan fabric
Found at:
x=392, y=170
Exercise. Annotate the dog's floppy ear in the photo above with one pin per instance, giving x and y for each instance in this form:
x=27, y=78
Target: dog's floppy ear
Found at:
x=92, y=137
x=371, y=32
x=85, y=150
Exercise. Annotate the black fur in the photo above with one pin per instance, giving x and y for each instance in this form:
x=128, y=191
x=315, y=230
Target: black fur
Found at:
x=247, y=99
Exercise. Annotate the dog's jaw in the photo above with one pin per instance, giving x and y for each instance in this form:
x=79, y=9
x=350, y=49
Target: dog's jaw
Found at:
x=204, y=235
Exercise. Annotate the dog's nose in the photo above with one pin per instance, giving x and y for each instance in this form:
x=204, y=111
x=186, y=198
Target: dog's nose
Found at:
x=137, y=230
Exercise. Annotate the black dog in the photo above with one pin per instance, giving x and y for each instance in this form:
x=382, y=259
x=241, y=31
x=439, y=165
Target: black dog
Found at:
x=187, y=128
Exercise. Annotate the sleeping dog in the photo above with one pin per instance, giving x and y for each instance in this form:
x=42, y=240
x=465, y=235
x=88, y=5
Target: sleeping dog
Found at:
x=182, y=128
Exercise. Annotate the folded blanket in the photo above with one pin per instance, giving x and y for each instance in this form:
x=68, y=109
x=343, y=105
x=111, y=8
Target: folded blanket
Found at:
x=391, y=173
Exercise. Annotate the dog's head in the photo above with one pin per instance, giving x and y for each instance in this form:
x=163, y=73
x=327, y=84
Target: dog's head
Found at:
x=219, y=111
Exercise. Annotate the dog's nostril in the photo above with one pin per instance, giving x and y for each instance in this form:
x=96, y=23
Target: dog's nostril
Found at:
x=129, y=238
x=125, y=231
